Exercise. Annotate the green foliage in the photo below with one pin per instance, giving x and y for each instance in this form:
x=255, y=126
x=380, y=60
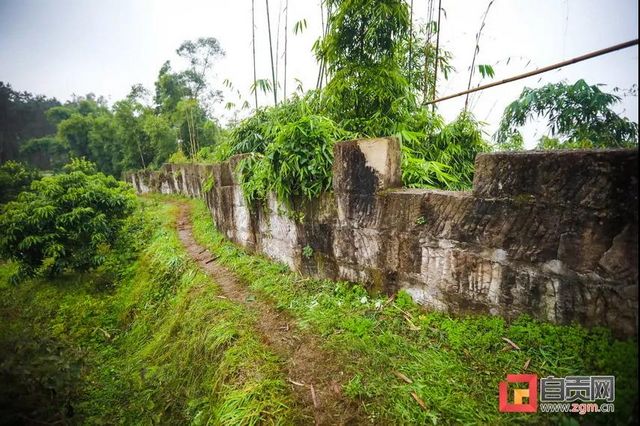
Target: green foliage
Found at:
x=579, y=115
x=208, y=183
x=372, y=92
x=486, y=71
x=297, y=163
x=178, y=157
x=436, y=155
x=47, y=153
x=64, y=222
x=22, y=117
x=162, y=136
x=162, y=346
x=200, y=54
x=307, y=251
x=15, y=177
x=131, y=134
x=368, y=90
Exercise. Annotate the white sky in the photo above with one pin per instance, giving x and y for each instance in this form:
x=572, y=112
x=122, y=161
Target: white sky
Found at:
x=78, y=46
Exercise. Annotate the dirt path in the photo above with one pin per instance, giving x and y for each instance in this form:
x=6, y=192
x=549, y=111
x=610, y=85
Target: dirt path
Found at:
x=313, y=375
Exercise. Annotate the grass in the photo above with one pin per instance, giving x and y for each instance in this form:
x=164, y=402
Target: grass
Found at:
x=158, y=346
x=454, y=363
x=146, y=339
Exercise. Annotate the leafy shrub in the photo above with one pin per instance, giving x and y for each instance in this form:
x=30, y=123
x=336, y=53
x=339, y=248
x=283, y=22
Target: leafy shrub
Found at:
x=65, y=221
x=15, y=177
x=435, y=155
x=178, y=157
x=297, y=163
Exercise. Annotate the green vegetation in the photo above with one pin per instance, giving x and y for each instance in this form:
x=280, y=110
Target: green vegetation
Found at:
x=131, y=134
x=64, y=222
x=154, y=344
x=454, y=364
x=147, y=337
x=22, y=118
x=105, y=319
x=15, y=177
x=579, y=116
x=375, y=82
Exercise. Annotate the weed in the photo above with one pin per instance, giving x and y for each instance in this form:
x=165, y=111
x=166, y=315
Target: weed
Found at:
x=307, y=251
x=158, y=347
x=454, y=363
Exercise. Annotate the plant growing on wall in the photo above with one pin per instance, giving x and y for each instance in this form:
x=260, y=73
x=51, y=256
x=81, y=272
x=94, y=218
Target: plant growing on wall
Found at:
x=297, y=163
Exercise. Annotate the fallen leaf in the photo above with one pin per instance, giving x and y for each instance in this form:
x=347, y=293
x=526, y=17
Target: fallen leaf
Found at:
x=412, y=326
x=313, y=396
x=526, y=364
x=107, y=335
x=296, y=383
x=419, y=401
x=402, y=377
x=511, y=343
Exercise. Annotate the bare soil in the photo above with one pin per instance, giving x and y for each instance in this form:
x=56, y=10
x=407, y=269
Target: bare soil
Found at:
x=313, y=374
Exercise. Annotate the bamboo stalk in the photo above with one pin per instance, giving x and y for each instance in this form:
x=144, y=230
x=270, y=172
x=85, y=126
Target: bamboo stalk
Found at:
x=273, y=70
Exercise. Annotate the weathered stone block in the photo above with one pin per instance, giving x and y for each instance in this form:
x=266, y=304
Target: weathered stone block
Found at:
x=597, y=179
x=366, y=166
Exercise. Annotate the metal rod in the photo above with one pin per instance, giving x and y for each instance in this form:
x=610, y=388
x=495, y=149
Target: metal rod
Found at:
x=577, y=59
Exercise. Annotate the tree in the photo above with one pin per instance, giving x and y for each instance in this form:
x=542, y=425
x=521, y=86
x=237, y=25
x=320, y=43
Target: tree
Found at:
x=368, y=90
x=162, y=136
x=64, y=222
x=105, y=147
x=579, y=115
x=22, y=117
x=170, y=88
x=46, y=153
x=15, y=177
x=137, y=151
x=201, y=54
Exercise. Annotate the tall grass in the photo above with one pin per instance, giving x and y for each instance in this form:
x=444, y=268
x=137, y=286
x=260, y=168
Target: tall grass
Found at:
x=454, y=363
x=159, y=347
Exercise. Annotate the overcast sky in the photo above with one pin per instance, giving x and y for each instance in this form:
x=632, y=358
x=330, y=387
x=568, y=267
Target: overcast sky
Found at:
x=63, y=47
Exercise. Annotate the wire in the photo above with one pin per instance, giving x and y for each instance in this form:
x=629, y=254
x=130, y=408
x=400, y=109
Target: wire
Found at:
x=575, y=60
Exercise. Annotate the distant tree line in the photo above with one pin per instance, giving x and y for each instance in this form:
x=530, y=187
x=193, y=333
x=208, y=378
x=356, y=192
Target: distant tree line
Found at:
x=142, y=130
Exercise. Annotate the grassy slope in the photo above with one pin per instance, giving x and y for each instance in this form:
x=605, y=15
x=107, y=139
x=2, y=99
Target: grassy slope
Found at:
x=161, y=347
x=455, y=364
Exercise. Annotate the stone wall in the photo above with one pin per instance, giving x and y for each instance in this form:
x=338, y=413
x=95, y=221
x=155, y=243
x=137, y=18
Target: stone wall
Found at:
x=553, y=234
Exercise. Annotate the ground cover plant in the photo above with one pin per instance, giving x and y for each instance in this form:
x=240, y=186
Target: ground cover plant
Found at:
x=401, y=357
x=148, y=336
x=155, y=343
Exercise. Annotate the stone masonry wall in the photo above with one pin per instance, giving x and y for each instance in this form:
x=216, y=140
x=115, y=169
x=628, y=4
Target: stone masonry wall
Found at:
x=553, y=234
